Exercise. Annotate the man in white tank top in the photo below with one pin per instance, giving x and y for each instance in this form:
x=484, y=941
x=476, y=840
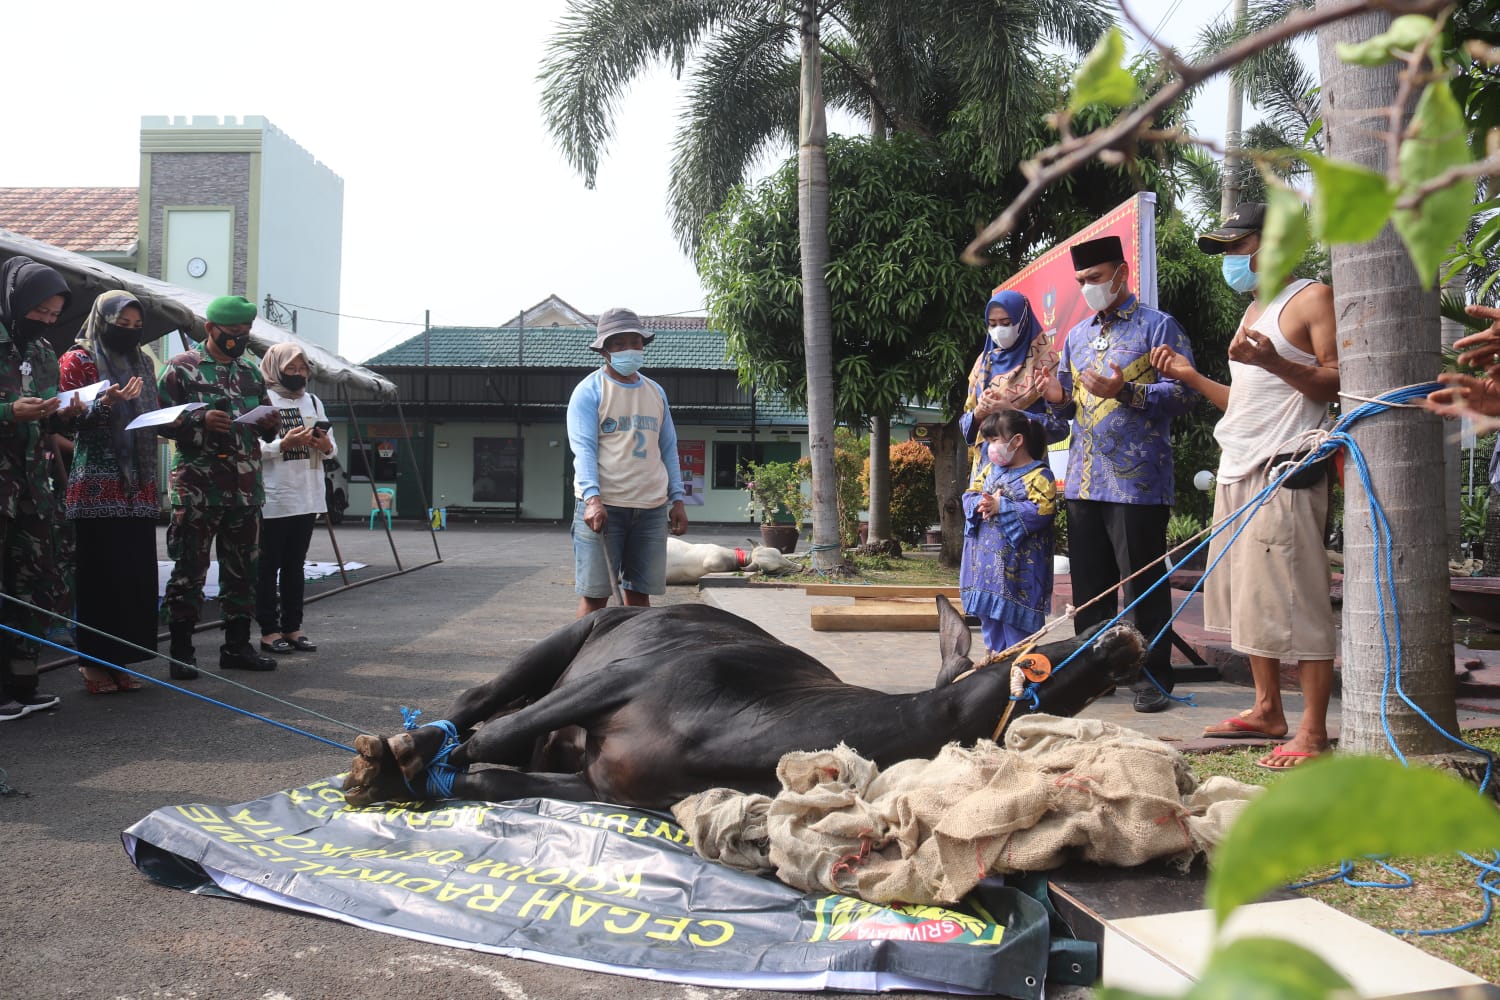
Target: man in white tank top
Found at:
x=1269, y=592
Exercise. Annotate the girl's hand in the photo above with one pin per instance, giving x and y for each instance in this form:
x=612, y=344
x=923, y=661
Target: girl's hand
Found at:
x=988, y=505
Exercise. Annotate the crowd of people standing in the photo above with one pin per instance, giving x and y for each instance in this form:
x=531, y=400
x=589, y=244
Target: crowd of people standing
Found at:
x=1114, y=382
x=79, y=495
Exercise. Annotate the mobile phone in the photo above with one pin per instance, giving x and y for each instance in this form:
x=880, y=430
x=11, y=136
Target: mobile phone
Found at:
x=323, y=425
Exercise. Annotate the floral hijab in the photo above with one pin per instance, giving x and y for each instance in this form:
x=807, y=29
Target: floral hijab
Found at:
x=135, y=451
x=1019, y=370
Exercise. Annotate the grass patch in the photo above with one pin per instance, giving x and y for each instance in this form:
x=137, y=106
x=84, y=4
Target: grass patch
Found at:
x=1443, y=893
x=905, y=571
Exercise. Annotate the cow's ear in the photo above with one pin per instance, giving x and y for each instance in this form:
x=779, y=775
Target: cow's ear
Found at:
x=954, y=639
x=953, y=643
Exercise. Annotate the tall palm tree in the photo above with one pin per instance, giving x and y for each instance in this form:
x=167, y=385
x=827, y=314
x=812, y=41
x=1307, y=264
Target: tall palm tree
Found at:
x=758, y=81
x=1389, y=326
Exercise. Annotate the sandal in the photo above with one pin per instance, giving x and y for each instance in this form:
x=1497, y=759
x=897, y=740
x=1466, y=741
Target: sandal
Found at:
x=125, y=682
x=303, y=643
x=98, y=687
x=277, y=645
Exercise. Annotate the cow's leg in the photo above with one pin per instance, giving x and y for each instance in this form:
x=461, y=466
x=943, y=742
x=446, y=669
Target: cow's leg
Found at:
x=498, y=784
x=512, y=740
x=531, y=674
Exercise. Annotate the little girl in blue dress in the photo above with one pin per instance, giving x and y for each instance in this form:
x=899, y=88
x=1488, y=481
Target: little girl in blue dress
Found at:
x=1006, y=576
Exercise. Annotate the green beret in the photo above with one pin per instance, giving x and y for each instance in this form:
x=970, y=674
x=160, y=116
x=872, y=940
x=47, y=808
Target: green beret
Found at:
x=230, y=310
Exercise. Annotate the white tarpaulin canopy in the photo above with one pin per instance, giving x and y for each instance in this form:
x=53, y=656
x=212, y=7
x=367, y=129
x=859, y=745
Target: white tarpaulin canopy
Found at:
x=171, y=307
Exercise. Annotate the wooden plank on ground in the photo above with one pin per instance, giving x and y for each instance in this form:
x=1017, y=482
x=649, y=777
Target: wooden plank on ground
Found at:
x=877, y=591
x=875, y=616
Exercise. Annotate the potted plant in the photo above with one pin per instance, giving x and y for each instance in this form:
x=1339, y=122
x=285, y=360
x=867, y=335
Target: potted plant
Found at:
x=1182, y=528
x=777, y=501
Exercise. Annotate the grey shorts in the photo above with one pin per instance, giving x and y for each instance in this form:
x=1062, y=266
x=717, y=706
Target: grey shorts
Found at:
x=637, y=546
x=1270, y=591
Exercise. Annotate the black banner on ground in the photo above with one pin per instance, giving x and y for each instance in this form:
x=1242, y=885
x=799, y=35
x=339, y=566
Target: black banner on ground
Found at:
x=585, y=885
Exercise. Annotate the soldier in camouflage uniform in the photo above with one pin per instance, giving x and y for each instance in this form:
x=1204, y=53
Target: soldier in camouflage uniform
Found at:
x=32, y=296
x=216, y=483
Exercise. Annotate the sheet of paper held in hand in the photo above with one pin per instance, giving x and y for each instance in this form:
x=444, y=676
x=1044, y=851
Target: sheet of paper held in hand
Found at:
x=256, y=415
x=158, y=418
x=84, y=394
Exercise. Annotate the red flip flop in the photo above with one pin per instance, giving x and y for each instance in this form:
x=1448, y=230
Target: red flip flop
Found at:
x=1234, y=728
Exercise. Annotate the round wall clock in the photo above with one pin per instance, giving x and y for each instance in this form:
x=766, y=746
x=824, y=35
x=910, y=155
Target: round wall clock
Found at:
x=197, y=267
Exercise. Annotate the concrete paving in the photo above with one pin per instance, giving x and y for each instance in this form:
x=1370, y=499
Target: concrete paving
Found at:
x=79, y=921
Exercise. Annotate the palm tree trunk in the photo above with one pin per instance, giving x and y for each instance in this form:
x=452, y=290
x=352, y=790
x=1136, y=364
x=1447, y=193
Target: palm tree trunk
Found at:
x=1389, y=337
x=950, y=468
x=817, y=317
x=880, y=479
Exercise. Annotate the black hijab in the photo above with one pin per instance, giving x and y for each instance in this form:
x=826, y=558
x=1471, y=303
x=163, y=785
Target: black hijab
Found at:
x=24, y=285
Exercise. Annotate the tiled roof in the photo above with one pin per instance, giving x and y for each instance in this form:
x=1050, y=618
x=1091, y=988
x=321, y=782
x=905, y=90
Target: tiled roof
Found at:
x=549, y=347
x=81, y=219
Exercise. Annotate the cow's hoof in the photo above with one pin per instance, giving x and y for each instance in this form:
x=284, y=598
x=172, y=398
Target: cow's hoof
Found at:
x=414, y=749
x=1123, y=648
x=373, y=776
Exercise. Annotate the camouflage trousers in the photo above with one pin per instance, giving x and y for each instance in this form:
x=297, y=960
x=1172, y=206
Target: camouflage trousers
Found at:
x=29, y=572
x=193, y=531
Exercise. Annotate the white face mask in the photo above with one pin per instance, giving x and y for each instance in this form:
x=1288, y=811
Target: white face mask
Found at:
x=1099, y=297
x=1001, y=452
x=1005, y=335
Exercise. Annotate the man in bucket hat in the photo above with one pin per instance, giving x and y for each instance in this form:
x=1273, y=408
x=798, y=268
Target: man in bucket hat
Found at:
x=627, y=480
x=1270, y=590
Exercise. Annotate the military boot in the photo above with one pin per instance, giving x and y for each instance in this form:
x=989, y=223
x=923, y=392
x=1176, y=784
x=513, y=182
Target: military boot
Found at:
x=237, y=653
x=182, y=653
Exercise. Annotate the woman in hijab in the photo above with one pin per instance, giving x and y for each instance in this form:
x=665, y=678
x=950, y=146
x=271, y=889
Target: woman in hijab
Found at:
x=292, y=467
x=112, y=500
x=32, y=297
x=1011, y=369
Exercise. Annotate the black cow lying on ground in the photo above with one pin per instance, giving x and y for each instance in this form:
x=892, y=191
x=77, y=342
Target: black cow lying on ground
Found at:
x=646, y=706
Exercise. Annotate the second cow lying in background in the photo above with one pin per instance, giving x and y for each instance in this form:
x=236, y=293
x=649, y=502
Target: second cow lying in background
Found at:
x=687, y=563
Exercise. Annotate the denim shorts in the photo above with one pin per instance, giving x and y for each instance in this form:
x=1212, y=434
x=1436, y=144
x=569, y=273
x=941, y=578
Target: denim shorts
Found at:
x=637, y=541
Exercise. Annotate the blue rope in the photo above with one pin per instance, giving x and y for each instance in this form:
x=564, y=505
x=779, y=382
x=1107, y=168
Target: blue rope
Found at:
x=174, y=687
x=1488, y=880
x=1251, y=506
x=440, y=773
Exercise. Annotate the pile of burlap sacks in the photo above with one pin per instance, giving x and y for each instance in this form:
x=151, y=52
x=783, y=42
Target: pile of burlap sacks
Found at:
x=926, y=831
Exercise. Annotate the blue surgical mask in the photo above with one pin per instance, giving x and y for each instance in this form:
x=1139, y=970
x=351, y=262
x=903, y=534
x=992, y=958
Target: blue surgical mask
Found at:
x=627, y=363
x=1237, y=273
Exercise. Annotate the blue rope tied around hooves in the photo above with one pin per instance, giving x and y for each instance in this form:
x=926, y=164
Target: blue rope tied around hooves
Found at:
x=440, y=773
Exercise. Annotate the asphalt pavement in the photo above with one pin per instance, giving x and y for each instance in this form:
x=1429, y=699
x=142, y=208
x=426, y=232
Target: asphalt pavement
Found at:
x=77, y=919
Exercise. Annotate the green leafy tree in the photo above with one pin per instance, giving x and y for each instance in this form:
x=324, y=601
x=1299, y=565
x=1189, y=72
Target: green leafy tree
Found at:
x=905, y=65
x=914, y=505
x=906, y=313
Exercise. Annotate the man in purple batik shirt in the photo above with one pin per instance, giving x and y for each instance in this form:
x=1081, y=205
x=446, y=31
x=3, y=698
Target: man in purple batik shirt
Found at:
x=1119, y=483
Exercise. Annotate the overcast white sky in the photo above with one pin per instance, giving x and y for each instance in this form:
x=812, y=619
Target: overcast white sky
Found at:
x=455, y=198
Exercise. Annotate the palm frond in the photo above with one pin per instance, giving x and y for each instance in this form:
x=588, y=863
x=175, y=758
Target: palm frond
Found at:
x=743, y=100
x=601, y=46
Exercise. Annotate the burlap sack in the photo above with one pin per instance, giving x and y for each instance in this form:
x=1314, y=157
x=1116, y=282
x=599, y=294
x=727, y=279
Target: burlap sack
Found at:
x=927, y=831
